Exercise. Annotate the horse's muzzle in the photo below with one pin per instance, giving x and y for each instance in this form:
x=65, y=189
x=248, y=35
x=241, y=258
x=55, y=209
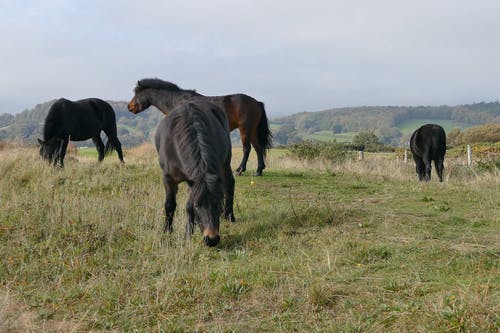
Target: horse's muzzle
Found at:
x=133, y=107
x=211, y=241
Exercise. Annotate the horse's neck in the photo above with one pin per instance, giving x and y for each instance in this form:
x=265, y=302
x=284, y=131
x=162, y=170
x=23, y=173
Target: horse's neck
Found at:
x=165, y=102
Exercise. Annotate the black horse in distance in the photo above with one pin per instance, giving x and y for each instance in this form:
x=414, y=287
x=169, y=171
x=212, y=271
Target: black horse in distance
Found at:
x=428, y=143
x=78, y=121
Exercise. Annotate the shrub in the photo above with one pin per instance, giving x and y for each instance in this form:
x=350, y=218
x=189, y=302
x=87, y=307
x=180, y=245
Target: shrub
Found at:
x=310, y=150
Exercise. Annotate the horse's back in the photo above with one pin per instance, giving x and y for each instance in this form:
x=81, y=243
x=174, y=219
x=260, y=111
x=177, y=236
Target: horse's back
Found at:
x=196, y=126
x=82, y=119
x=240, y=109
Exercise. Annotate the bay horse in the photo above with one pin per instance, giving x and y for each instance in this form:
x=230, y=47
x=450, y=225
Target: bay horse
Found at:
x=428, y=143
x=78, y=121
x=242, y=111
x=193, y=146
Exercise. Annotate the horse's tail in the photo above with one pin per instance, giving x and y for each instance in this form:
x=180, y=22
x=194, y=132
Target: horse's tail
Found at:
x=264, y=135
x=109, y=119
x=108, y=149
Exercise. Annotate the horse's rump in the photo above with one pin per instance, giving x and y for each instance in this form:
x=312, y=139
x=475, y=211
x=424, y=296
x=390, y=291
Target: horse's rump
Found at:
x=430, y=140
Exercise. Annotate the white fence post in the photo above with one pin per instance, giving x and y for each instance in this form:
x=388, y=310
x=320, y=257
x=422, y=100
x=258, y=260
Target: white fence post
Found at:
x=406, y=156
x=361, y=155
x=469, y=156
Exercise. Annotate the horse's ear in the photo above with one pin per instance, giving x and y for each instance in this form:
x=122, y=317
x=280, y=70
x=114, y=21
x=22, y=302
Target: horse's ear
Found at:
x=138, y=83
x=40, y=142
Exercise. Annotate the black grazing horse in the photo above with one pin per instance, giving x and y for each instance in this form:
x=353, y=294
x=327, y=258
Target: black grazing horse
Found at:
x=428, y=143
x=193, y=146
x=243, y=112
x=78, y=121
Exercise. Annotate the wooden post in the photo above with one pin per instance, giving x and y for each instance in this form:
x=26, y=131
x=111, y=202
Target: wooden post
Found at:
x=361, y=155
x=469, y=156
x=406, y=156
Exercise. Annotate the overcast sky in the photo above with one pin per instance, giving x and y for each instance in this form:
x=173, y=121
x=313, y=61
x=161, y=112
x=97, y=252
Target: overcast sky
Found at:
x=292, y=55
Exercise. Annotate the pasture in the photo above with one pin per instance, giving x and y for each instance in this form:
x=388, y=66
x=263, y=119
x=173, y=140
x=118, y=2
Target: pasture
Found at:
x=355, y=247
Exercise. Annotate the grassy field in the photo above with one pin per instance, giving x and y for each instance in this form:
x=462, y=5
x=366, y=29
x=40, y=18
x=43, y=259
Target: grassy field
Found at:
x=406, y=128
x=317, y=247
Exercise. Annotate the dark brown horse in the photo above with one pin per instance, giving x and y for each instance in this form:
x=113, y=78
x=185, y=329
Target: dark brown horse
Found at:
x=194, y=147
x=243, y=112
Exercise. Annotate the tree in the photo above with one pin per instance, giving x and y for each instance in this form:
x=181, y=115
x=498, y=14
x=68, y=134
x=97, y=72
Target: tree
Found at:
x=286, y=135
x=366, y=140
x=389, y=136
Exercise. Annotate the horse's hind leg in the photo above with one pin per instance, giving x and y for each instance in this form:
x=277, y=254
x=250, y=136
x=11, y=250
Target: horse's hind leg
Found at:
x=439, y=164
x=428, y=168
x=170, y=203
x=100, y=147
x=228, y=183
x=113, y=139
x=260, y=158
x=246, y=152
x=118, y=146
x=420, y=168
x=62, y=152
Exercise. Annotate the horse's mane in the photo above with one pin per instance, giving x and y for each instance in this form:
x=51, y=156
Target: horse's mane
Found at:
x=158, y=84
x=200, y=153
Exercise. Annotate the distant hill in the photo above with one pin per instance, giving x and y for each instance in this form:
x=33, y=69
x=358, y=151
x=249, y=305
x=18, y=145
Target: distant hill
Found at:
x=391, y=124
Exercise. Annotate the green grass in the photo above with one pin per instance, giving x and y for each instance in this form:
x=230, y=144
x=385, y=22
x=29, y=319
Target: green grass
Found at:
x=331, y=249
x=407, y=127
x=89, y=152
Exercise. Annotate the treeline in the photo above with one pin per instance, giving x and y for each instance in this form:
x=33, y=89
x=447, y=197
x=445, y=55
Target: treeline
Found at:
x=372, y=118
x=383, y=121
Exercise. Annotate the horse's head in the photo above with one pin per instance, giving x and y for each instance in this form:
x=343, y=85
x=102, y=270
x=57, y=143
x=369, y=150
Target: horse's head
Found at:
x=208, y=215
x=48, y=149
x=141, y=100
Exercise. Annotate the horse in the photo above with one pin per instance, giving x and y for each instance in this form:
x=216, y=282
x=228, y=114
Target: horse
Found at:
x=242, y=111
x=78, y=121
x=428, y=143
x=193, y=146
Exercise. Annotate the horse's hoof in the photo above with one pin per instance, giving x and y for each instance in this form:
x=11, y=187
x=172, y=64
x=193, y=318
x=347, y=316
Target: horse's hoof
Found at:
x=238, y=172
x=258, y=174
x=230, y=218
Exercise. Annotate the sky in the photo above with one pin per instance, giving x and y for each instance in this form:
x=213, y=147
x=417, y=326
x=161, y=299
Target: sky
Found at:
x=292, y=55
